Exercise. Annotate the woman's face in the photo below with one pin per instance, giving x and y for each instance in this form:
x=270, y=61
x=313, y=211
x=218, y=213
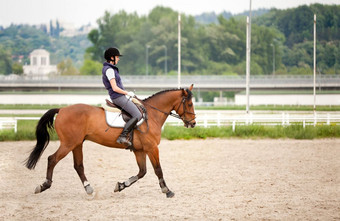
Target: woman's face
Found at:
x=117, y=59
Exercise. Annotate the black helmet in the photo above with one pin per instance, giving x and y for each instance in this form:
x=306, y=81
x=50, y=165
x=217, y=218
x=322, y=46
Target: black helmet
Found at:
x=111, y=52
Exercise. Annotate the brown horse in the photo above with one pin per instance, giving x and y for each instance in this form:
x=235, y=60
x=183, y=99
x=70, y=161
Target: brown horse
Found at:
x=76, y=123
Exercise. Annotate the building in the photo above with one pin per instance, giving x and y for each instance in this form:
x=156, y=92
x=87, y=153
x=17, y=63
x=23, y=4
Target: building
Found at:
x=39, y=63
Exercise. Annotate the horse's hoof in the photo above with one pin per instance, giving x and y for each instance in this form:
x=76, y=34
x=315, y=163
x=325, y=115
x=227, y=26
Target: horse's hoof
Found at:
x=117, y=187
x=89, y=189
x=170, y=194
x=37, y=189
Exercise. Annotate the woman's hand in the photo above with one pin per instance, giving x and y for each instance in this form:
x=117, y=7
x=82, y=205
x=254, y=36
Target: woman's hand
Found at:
x=130, y=93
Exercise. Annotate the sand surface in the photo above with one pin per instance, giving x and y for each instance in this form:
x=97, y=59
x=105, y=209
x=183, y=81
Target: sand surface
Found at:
x=213, y=179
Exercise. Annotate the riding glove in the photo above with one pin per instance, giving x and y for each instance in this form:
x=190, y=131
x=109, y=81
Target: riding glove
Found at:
x=130, y=94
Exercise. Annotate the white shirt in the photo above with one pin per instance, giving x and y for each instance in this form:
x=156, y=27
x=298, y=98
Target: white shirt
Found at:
x=110, y=73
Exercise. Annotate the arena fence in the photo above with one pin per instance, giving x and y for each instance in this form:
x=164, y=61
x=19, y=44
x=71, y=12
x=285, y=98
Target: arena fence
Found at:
x=223, y=118
x=8, y=123
x=219, y=119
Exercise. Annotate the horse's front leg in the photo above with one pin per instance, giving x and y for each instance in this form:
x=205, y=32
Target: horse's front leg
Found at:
x=154, y=158
x=141, y=161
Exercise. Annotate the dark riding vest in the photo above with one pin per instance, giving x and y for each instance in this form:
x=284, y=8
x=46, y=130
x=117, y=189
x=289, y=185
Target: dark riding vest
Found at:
x=106, y=82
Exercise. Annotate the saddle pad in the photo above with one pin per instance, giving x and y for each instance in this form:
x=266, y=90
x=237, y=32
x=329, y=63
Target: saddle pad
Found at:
x=110, y=109
x=115, y=119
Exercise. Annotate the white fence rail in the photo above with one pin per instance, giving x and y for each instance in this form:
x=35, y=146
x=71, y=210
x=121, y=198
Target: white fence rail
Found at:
x=229, y=118
x=8, y=124
x=11, y=123
x=208, y=119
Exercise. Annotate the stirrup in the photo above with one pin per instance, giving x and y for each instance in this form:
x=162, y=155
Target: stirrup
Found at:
x=124, y=140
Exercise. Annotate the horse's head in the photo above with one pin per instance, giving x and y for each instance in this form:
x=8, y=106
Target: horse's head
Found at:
x=185, y=108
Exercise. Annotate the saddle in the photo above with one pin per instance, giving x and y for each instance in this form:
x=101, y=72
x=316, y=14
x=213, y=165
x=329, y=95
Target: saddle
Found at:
x=117, y=117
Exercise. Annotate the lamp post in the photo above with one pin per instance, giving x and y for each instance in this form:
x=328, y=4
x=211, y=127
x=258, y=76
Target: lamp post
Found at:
x=248, y=50
x=314, y=66
x=179, y=52
x=273, y=45
x=166, y=60
x=147, y=60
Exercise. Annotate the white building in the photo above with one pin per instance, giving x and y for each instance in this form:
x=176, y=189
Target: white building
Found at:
x=39, y=63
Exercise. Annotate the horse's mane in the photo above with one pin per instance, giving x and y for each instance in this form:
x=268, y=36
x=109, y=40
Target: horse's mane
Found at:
x=169, y=90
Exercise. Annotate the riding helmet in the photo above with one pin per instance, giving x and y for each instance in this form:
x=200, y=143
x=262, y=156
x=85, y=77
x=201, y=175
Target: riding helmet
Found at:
x=111, y=52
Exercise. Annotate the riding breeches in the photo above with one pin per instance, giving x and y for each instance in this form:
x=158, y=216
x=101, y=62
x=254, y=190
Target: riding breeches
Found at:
x=128, y=106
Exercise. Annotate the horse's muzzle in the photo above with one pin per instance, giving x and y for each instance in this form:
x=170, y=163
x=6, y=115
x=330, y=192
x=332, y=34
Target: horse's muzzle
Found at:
x=190, y=124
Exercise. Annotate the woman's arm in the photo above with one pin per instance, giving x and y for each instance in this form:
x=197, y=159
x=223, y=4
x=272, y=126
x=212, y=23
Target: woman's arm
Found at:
x=115, y=88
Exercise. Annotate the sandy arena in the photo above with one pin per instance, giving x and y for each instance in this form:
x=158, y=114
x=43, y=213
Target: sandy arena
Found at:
x=213, y=179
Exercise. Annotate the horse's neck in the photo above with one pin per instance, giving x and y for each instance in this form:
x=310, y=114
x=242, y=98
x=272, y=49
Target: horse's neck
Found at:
x=164, y=103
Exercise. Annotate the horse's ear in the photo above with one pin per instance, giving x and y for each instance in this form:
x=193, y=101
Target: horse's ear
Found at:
x=184, y=92
x=190, y=88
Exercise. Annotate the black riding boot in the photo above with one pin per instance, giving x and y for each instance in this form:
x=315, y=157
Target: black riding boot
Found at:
x=122, y=139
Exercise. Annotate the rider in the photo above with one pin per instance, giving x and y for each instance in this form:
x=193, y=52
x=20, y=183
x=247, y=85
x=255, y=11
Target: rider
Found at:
x=114, y=85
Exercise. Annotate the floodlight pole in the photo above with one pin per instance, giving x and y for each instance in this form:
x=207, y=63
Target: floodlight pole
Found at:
x=179, y=51
x=248, y=57
x=314, y=64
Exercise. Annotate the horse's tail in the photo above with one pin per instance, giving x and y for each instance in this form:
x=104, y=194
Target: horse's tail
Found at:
x=43, y=137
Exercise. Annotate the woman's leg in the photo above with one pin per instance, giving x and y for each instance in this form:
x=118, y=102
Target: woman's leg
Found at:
x=128, y=106
x=132, y=109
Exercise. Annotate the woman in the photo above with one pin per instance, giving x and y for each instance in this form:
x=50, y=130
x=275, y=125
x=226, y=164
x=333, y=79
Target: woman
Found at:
x=114, y=85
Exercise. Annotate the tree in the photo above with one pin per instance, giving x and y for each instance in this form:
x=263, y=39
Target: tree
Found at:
x=5, y=61
x=263, y=40
x=23, y=39
x=163, y=36
x=17, y=68
x=91, y=67
x=66, y=67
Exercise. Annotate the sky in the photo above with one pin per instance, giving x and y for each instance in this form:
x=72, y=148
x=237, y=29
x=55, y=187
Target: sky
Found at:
x=82, y=12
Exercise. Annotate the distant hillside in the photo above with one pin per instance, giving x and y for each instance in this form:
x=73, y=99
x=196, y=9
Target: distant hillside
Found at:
x=21, y=40
x=211, y=17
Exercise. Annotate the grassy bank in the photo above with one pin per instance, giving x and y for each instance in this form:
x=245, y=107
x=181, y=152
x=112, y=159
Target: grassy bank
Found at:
x=253, y=131
x=26, y=131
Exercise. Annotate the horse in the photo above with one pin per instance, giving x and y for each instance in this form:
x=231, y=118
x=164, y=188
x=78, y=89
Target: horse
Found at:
x=79, y=122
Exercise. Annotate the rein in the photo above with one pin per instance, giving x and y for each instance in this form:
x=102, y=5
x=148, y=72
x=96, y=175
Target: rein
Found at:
x=175, y=115
x=169, y=114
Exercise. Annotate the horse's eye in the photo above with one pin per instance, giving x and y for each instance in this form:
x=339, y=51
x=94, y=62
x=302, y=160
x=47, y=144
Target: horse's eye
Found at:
x=190, y=105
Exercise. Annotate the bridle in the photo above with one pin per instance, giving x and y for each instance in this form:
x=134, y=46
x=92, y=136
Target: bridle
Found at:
x=183, y=102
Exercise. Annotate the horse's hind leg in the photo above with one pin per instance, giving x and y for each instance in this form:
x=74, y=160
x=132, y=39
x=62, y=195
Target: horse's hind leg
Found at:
x=141, y=161
x=52, y=162
x=79, y=167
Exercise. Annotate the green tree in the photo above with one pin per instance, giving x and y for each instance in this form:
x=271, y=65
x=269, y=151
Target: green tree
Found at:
x=21, y=40
x=163, y=37
x=17, y=68
x=113, y=31
x=5, y=61
x=66, y=67
x=263, y=40
x=91, y=67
